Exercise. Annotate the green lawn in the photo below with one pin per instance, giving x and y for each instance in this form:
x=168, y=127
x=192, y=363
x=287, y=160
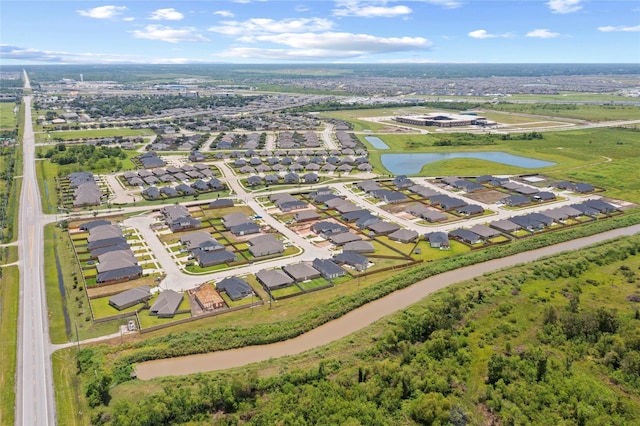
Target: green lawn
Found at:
x=102, y=309
x=286, y=291
x=71, y=403
x=8, y=119
x=9, y=291
x=93, y=133
x=313, y=284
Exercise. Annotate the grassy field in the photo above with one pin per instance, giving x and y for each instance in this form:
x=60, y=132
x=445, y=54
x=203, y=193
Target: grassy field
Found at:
x=603, y=157
x=8, y=119
x=574, y=111
x=70, y=402
x=9, y=290
x=91, y=134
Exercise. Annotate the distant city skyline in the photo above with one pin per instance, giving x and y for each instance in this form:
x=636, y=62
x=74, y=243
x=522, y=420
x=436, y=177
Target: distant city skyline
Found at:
x=341, y=31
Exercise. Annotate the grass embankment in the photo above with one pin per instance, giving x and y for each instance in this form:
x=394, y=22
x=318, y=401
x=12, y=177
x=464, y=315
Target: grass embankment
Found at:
x=9, y=292
x=75, y=300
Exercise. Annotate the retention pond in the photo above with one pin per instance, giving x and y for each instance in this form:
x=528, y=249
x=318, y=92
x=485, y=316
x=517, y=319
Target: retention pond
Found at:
x=409, y=164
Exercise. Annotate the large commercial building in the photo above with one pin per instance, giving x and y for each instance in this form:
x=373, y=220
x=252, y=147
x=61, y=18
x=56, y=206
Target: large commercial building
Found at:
x=443, y=119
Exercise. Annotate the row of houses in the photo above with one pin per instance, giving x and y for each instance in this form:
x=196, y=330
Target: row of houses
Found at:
x=86, y=191
x=287, y=140
x=239, y=224
x=107, y=244
x=183, y=189
x=289, y=178
x=280, y=154
x=167, y=175
x=273, y=279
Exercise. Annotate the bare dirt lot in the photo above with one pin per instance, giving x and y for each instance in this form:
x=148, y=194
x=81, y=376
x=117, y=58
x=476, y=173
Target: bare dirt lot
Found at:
x=489, y=196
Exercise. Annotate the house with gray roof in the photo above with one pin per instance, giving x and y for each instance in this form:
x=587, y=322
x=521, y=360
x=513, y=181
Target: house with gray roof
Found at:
x=272, y=279
x=152, y=193
x=106, y=242
x=515, y=200
x=346, y=237
x=356, y=215
x=601, y=206
x=211, y=258
x=130, y=297
x=246, y=228
x=200, y=239
x=328, y=269
x=236, y=288
x=221, y=203
x=169, y=192
x=115, y=260
x=505, y=225
x=235, y=218
x=465, y=236
x=484, y=231
x=447, y=202
x=438, y=240
x=403, y=235
x=346, y=207
x=359, y=247
x=470, y=210
x=353, y=259
x=383, y=228
x=305, y=216
x=254, y=180
x=326, y=228
x=119, y=275
x=563, y=213
x=301, y=272
x=265, y=245
x=167, y=304
x=88, y=226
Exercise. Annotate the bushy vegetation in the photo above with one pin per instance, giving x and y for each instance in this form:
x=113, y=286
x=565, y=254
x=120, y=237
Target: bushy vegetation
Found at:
x=89, y=156
x=515, y=347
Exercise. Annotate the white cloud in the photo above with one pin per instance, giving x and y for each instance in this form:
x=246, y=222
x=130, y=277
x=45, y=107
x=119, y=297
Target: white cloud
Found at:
x=449, y=4
x=129, y=19
x=623, y=29
x=350, y=42
x=370, y=9
x=564, y=6
x=265, y=25
x=542, y=33
x=169, y=14
x=62, y=57
x=224, y=13
x=168, y=34
x=481, y=34
x=103, y=12
x=323, y=46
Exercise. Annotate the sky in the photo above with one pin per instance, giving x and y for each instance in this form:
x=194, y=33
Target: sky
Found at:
x=318, y=31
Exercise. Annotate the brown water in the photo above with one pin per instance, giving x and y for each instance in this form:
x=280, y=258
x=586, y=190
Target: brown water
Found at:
x=356, y=319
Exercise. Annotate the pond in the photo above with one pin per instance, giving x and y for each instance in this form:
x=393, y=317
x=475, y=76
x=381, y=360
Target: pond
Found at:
x=376, y=142
x=408, y=164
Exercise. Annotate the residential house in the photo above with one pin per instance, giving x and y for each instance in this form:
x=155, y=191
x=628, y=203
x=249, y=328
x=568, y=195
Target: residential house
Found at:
x=305, y=216
x=167, y=304
x=438, y=240
x=236, y=288
x=465, y=236
x=353, y=259
x=130, y=297
x=505, y=225
x=272, y=279
x=301, y=272
x=346, y=237
x=403, y=235
x=265, y=245
x=359, y=247
x=328, y=269
x=207, y=298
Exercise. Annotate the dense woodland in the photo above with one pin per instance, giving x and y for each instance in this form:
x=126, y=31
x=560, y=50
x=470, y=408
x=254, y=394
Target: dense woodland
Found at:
x=553, y=342
x=86, y=157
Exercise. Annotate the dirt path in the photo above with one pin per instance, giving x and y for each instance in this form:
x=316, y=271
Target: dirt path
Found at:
x=357, y=319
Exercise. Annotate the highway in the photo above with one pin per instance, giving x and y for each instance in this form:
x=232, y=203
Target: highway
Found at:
x=35, y=402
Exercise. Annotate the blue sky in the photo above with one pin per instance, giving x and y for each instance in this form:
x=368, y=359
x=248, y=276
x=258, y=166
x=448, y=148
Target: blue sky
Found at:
x=302, y=31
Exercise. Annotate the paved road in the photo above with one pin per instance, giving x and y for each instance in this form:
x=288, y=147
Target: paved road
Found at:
x=35, y=403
